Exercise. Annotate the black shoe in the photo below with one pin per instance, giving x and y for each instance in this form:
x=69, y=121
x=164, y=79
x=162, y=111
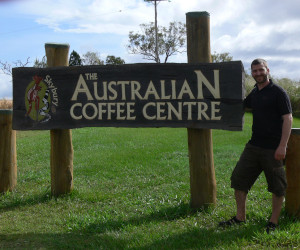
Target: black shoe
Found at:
x=270, y=227
x=232, y=221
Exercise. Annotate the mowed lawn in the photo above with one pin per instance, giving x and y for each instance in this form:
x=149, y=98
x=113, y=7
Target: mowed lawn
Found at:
x=132, y=191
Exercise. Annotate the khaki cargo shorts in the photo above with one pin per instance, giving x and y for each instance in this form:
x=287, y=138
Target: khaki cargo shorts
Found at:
x=252, y=162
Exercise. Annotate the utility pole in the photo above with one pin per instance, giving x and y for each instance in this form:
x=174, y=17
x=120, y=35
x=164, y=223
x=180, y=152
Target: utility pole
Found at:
x=156, y=28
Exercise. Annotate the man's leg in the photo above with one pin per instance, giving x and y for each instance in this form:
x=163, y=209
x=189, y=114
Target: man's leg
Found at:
x=276, y=178
x=243, y=177
x=240, y=198
x=277, y=202
x=276, y=208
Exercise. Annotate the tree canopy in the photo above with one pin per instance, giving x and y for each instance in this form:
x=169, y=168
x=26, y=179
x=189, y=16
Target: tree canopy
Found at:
x=171, y=40
x=75, y=59
x=221, y=57
x=114, y=60
x=89, y=58
x=92, y=58
x=40, y=63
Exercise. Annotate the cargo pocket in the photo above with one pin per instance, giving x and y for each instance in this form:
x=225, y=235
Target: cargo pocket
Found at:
x=279, y=183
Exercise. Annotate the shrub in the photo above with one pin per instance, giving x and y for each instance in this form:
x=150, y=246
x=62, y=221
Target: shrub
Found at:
x=293, y=90
x=291, y=87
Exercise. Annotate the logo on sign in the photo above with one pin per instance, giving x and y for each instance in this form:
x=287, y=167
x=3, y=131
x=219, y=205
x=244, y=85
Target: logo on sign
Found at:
x=40, y=100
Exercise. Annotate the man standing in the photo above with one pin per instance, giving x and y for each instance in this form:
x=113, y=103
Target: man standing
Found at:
x=272, y=122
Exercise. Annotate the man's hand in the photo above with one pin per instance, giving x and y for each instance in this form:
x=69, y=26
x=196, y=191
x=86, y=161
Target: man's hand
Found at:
x=280, y=153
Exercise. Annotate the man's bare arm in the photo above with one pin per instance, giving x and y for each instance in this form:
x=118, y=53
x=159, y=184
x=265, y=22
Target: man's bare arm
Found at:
x=286, y=131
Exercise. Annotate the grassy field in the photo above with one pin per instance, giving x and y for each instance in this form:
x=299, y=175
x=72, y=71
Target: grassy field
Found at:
x=131, y=191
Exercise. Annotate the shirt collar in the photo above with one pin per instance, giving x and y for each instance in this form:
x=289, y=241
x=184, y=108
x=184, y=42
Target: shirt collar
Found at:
x=270, y=85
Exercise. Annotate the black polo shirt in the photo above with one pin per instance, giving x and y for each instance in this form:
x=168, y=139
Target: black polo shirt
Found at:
x=268, y=106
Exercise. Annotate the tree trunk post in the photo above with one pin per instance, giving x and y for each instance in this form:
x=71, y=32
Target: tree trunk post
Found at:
x=8, y=152
x=292, y=203
x=61, y=156
x=202, y=172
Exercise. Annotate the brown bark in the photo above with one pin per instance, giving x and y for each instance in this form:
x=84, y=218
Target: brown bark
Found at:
x=8, y=152
x=61, y=157
x=202, y=173
x=292, y=203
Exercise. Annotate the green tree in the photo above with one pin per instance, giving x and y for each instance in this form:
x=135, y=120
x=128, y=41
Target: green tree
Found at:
x=171, y=40
x=75, y=59
x=40, y=63
x=155, y=2
x=114, y=60
x=293, y=90
x=221, y=57
x=92, y=58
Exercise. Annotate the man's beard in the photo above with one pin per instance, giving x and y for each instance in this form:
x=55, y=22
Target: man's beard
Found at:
x=263, y=77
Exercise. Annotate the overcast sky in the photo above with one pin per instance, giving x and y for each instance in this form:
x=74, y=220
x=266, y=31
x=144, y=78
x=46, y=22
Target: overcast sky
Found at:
x=246, y=29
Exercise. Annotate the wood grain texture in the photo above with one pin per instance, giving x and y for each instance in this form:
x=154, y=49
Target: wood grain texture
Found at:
x=200, y=144
x=292, y=203
x=98, y=96
x=8, y=153
x=61, y=155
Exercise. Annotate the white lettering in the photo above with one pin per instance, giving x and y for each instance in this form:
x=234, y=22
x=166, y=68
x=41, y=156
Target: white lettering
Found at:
x=189, y=104
x=104, y=96
x=214, y=110
x=72, y=111
x=160, y=110
x=112, y=90
x=81, y=87
x=163, y=91
x=135, y=88
x=202, y=108
x=145, y=111
x=151, y=91
x=177, y=113
x=215, y=91
x=123, y=85
x=185, y=90
x=94, y=108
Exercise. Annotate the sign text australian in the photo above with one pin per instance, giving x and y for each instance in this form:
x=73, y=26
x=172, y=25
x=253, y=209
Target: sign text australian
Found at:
x=136, y=95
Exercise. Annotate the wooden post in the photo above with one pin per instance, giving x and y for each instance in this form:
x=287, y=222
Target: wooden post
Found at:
x=202, y=173
x=61, y=158
x=292, y=203
x=8, y=152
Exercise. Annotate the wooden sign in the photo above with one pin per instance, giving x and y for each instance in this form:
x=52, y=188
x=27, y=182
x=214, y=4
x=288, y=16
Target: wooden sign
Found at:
x=203, y=95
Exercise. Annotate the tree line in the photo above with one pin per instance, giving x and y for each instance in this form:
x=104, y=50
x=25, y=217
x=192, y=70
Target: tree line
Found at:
x=171, y=40
x=89, y=58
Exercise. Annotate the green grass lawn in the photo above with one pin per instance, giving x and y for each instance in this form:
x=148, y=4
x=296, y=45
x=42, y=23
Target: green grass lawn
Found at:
x=131, y=191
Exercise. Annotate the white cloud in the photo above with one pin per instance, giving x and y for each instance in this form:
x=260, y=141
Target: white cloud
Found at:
x=98, y=16
x=5, y=86
x=250, y=32
x=246, y=29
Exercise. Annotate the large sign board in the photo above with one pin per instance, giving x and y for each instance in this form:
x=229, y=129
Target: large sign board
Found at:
x=203, y=95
